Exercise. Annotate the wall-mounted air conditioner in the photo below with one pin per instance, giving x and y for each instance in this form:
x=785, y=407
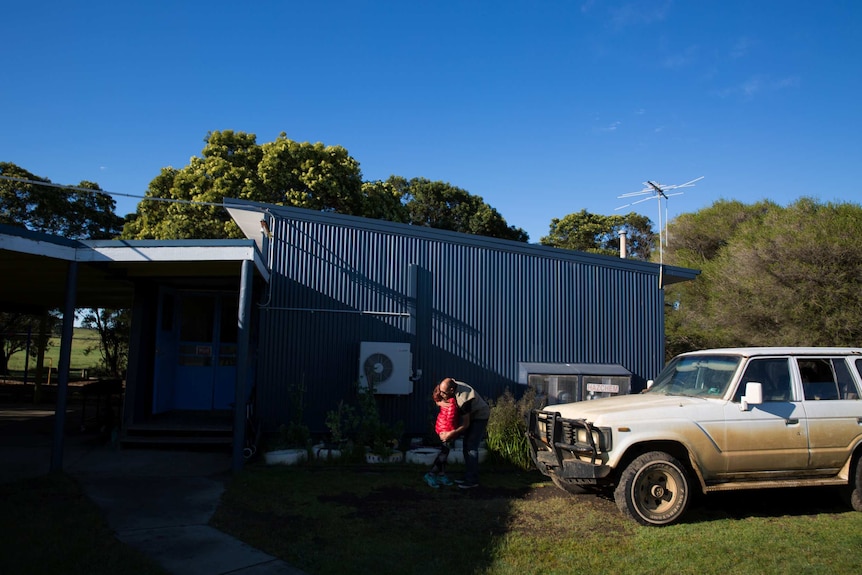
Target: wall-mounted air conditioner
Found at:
x=387, y=366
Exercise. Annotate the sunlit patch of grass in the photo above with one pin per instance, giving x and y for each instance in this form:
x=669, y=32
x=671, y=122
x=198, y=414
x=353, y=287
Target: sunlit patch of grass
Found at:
x=385, y=520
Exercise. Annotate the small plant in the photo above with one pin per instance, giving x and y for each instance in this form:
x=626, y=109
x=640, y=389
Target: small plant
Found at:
x=292, y=436
x=342, y=423
x=507, y=428
x=295, y=434
x=358, y=426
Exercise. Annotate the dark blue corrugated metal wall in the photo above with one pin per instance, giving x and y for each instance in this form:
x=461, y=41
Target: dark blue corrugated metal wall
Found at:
x=471, y=307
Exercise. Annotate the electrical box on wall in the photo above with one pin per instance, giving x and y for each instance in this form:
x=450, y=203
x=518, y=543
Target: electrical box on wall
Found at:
x=567, y=382
x=387, y=366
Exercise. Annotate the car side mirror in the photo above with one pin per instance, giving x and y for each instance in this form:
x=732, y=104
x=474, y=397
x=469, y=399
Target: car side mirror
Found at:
x=753, y=395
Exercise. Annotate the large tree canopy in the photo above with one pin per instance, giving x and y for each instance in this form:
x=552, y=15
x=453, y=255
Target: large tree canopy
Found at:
x=182, y=203
x=444, y=206
x=75, y=214
x=770, y=275
x=599, y=234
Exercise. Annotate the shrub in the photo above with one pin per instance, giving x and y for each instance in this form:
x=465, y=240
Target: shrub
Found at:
x=507, y=428
x=358, y=426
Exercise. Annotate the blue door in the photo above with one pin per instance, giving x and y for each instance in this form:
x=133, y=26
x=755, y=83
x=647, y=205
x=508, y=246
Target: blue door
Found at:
x=196, y=351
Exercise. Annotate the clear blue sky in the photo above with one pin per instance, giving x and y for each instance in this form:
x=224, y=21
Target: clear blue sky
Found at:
x=542, y=108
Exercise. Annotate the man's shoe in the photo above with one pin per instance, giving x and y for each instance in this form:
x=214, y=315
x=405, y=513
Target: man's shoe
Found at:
x=465, y=485
x=443, y=480
x=431, y=480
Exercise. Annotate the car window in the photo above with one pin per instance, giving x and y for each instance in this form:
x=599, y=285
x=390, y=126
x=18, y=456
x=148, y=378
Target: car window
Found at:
x=826, y=378
x=846, y=384
x=695, y=375
x=773, y=374
x=818, y=378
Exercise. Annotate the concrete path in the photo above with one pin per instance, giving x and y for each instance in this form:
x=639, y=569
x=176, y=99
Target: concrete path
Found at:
x=159, y=501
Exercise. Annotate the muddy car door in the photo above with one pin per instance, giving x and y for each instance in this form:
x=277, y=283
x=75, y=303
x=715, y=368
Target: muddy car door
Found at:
x=834, y=411
x=772, y=436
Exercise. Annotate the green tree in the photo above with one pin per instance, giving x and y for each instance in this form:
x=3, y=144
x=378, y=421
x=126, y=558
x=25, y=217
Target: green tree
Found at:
x=113, y=327
x=595, y=233
x=770, y=276
x=185, y=203
x=382, y=201
x=34, y=203
x=311, y=176
x=14, y=330
x=795, y=279
x=71, y=213
x=443, y=206
x=695, y=241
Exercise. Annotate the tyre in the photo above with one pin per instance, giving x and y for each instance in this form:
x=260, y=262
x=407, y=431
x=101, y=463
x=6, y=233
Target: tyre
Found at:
x=653, y=489
x=567, y=487
x=853, y=492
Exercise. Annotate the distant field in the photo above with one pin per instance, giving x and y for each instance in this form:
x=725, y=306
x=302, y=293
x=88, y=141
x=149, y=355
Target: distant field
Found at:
x=81, y=340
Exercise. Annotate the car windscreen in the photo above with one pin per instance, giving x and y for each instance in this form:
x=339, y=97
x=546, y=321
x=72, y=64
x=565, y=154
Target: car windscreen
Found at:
x=697, y=375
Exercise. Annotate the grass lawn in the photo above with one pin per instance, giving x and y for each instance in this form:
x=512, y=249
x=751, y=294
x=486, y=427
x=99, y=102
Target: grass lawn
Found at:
x=79, y=358
x=50, y=527
x=333, y=519
x=382, y=519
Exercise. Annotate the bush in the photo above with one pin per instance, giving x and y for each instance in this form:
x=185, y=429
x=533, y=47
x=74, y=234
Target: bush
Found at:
x=355, y=427
x=507, y=428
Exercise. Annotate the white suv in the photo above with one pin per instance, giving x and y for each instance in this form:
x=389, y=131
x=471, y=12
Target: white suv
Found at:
x=717, y=420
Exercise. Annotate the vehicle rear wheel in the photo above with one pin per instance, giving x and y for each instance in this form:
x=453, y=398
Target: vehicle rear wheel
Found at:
x=854, y=490
x=653, y=489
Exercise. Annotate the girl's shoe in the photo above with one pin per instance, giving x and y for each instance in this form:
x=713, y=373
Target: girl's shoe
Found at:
x=443, y=480
x=431, y=480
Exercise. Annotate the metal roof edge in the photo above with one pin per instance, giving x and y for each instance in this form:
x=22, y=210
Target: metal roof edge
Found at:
x=672, y=274
x=22, y=240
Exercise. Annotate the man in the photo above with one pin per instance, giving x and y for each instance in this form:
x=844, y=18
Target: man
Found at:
x=474, y=413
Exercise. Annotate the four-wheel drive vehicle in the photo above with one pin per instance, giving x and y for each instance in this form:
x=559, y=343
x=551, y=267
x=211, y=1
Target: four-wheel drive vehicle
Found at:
x=714, y=420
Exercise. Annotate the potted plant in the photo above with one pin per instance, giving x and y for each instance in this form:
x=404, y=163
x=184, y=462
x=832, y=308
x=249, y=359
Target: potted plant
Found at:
x=291, y=445
x=380, y=439
x=341, y=423
x=293, y=439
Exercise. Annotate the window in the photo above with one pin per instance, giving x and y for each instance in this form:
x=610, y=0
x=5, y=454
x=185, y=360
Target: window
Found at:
x=826, y=378
x=818, y=378
x=697, y=375
x=553, y=389
x=773, y=374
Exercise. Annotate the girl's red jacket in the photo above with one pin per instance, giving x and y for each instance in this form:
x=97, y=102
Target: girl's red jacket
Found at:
x=447, y=418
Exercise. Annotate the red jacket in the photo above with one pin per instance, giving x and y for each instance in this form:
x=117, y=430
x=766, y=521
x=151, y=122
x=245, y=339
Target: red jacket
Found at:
x=447, y=418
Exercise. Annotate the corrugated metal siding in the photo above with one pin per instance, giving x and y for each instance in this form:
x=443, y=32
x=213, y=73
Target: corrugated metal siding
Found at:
x=478, y=311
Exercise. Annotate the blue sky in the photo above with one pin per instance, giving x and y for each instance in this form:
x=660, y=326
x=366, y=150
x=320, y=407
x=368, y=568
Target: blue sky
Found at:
x=542, y=108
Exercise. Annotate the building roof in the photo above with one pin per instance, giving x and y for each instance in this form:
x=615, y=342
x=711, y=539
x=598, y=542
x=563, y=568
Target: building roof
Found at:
x=248, y=215
x=34, y=267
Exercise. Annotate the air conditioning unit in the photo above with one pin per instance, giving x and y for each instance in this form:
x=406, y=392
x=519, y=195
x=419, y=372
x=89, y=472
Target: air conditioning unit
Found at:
x=387, y=366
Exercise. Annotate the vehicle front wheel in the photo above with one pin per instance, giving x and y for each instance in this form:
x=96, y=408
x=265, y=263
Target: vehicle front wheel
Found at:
x=653, y=489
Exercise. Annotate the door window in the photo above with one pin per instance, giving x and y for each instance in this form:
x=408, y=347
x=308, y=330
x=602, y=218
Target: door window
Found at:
x=773, y=374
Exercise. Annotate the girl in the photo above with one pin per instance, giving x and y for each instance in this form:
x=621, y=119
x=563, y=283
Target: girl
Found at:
x=447, y=420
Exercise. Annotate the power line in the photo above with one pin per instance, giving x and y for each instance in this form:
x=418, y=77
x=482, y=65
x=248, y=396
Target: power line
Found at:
x=106, y=192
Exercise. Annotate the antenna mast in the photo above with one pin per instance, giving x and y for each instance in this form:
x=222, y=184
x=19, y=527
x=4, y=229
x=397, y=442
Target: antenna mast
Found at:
x=659, y=192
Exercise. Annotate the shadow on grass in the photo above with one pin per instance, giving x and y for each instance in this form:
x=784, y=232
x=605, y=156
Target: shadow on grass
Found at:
x=790, y=502
x=378, y=519
x=50, y=527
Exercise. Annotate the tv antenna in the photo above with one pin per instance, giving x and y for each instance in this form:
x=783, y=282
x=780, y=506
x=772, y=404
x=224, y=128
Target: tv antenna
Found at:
x=659, y=192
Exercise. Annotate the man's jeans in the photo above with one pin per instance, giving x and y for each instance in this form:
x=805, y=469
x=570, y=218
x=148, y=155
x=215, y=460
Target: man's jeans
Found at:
x=472, y=437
